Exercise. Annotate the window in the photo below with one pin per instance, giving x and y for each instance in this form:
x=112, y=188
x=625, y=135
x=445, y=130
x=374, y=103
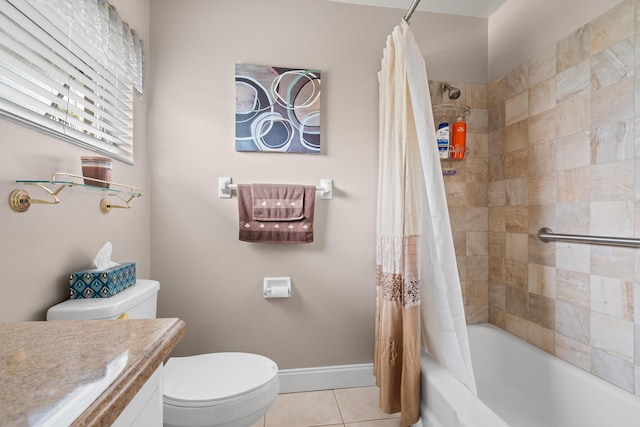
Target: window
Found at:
x=69, y=68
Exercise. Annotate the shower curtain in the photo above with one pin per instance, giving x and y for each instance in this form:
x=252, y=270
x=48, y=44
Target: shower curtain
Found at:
x=418, y=294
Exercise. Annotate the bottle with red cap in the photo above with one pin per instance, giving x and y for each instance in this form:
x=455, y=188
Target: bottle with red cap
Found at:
x=459, y=139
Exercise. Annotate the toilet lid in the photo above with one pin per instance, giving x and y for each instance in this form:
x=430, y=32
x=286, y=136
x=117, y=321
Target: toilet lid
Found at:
x=208, y=379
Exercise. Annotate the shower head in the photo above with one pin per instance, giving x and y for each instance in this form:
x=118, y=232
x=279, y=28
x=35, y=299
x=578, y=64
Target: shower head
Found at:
x=454, y=92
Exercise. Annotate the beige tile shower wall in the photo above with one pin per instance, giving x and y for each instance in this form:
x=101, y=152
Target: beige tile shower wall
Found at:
x=564, y=154
x=467, y=198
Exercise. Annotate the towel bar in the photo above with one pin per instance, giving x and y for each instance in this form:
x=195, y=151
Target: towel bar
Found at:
x=225, y=186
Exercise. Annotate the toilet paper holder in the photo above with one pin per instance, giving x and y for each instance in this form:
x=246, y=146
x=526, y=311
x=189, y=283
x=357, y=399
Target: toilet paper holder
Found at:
x=276, y=287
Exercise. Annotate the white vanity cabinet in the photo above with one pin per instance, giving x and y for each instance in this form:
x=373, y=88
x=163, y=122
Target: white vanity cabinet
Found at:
x=145, y=409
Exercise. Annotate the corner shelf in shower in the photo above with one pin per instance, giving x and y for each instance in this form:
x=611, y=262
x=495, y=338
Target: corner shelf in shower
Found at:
x=21, y=201
x=449, y=113
x=449, y=171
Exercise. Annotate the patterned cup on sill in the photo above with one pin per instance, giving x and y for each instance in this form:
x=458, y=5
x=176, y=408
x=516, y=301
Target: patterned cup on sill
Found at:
x=96, y=168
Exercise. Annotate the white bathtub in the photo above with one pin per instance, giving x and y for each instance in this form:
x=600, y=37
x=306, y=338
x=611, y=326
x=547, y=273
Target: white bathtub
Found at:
x=520, y=385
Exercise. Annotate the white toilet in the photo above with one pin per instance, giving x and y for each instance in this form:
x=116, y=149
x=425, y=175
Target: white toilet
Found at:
x=207, y=390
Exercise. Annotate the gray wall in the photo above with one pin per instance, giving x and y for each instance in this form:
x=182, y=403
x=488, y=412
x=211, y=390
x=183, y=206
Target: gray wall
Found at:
x=208, y=277
x=39, y=248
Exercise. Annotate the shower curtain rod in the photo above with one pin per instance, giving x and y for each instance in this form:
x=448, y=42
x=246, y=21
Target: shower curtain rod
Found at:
x=412, y=8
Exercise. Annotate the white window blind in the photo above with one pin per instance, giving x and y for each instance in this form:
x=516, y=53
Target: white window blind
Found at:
x=55, y=78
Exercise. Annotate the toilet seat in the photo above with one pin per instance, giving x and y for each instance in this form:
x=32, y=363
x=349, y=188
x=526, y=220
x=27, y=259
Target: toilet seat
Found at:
x=218, y=390
x=215, y=379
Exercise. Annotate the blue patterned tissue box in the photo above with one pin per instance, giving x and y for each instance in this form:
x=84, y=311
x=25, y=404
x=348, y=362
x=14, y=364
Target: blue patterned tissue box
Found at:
x=102, y=283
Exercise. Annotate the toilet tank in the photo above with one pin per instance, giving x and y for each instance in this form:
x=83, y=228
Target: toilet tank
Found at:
x=137, y=302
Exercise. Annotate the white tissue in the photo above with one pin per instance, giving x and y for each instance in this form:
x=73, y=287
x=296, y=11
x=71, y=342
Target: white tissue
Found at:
x=102, y=261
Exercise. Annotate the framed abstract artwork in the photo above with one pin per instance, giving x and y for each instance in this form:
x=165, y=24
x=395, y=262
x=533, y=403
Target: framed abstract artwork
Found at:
x=277, y=109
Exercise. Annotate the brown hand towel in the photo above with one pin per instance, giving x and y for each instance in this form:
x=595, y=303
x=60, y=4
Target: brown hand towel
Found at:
x=273, y=230
x=277, y=202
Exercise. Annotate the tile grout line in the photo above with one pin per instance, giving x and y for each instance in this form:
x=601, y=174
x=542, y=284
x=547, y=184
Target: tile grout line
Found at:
x=333, y=391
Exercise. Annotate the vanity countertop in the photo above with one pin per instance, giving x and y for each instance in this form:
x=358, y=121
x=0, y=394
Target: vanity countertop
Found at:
x=78, y=372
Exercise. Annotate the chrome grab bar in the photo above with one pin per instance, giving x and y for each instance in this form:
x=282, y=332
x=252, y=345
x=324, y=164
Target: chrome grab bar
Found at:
x=546, y=235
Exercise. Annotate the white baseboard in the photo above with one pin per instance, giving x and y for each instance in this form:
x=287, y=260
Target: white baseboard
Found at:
x=326, y=378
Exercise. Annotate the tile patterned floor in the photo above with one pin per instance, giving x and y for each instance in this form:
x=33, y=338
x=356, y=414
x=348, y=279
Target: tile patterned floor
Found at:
x=348, y=407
